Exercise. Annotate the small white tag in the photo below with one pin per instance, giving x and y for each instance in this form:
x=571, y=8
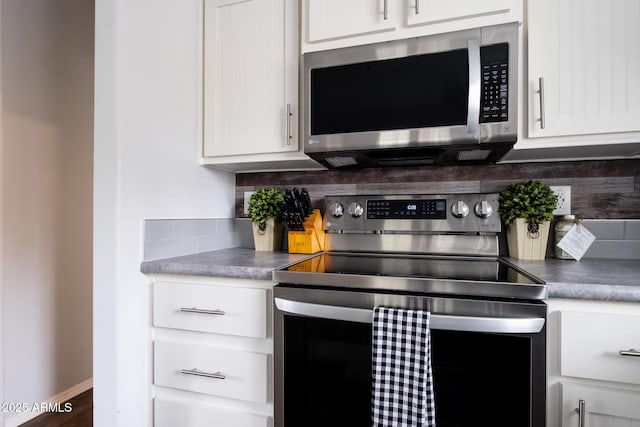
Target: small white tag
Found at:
x=577, y=241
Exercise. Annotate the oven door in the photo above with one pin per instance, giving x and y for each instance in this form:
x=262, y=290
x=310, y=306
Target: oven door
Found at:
x=488, y=358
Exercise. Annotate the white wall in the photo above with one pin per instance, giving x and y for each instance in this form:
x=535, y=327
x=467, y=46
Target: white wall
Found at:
x=47, y=132
x=147, y=131
x=1, y=234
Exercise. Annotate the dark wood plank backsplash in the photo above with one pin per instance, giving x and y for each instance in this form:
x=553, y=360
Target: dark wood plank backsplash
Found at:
x=599, y=189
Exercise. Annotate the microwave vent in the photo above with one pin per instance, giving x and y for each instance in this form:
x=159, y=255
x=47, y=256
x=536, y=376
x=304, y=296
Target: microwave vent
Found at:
x=341, y=161
x=471, y=155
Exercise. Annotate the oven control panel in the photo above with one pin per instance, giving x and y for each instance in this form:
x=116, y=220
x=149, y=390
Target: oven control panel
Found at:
x=407, y=209
x=451, y=213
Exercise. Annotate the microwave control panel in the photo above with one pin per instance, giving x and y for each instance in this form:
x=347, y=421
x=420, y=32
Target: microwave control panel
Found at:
x=494, y=101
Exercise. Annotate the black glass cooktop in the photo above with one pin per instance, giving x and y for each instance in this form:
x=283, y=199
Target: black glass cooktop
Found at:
x=422, y=273
x=455, y=268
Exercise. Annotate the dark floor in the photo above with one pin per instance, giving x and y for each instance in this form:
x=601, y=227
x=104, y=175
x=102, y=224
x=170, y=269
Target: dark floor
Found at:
x=80, y=415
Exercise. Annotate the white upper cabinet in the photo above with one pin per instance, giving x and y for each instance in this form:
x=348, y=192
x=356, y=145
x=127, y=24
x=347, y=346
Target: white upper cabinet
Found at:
x=339, y=18
x=250, y=82
x=585, y=56
x=330, y=24
x=436, y=11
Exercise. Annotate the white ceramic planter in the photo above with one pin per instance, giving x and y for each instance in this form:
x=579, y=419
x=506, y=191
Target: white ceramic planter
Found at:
x=524, y=246
x=269, y=239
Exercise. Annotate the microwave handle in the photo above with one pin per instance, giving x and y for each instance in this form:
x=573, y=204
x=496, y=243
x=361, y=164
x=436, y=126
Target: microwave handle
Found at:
x=473, y=110
x=510, y=325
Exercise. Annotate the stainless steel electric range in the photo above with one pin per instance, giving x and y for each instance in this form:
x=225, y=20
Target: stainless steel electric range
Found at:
x=438, y=253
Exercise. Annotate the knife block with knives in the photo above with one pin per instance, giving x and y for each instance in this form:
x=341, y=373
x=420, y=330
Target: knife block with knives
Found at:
x=306, y=235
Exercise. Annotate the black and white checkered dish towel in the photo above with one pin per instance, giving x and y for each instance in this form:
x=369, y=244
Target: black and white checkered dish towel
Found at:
x=402, y=378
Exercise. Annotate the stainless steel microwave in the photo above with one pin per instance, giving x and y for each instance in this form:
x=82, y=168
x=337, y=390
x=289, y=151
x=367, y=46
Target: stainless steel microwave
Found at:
x=440, y=99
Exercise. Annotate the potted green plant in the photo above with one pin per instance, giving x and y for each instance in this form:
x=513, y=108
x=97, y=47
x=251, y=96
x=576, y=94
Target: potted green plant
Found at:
x=265, y=210
x=526, y=208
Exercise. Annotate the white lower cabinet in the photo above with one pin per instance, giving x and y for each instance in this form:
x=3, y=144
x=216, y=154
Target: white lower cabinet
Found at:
x=599, y=406
x=212, y=370
x=170, y=413
x=212, y=352
x=205, y=308
x=594, y=369
x=591, y=343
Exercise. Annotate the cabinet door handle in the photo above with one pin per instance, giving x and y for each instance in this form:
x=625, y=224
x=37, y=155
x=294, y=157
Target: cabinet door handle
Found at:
x=385, y=10
x=581, y=412
x=541, y=94
x=196, y=372
x=631, y=352
x=217, y=311
x=417, y=7
x=289, y=114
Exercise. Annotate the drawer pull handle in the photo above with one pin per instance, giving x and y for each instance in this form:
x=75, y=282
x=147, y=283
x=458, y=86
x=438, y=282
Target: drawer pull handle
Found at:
x=631, y=352
x=202, y=311
x=196, y=372
x=581, y=413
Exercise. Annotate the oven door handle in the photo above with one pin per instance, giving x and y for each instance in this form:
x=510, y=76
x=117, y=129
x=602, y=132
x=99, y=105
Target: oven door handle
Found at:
x=508, y=325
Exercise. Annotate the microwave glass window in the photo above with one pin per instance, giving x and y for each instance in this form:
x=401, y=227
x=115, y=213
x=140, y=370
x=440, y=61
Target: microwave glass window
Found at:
x=410, y=92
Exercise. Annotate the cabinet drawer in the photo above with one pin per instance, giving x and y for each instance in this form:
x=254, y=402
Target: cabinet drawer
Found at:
x=591, y=345
x=244, y=373
x=168, y=413
x=603, y=406
x=204, y=308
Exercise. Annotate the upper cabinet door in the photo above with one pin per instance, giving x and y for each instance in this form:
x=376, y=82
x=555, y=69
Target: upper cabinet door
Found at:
x=584, y=55
x=330, y=19
x=333, y=24
x=420, y=12
x=250, y=77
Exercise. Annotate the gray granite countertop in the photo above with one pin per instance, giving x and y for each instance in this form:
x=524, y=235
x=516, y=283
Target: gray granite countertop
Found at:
x=596, y=279
x=234, y=262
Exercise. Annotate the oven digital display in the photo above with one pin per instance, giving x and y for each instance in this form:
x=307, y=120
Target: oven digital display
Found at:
x=407, y=209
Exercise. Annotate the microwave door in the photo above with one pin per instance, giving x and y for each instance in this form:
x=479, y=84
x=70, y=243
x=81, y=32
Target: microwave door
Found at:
x=437, y=99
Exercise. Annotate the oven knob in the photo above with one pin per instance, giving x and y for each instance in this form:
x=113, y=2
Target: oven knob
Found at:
x=460, y=209
x=483, y=209
x=336, y=209
x=356, y=210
